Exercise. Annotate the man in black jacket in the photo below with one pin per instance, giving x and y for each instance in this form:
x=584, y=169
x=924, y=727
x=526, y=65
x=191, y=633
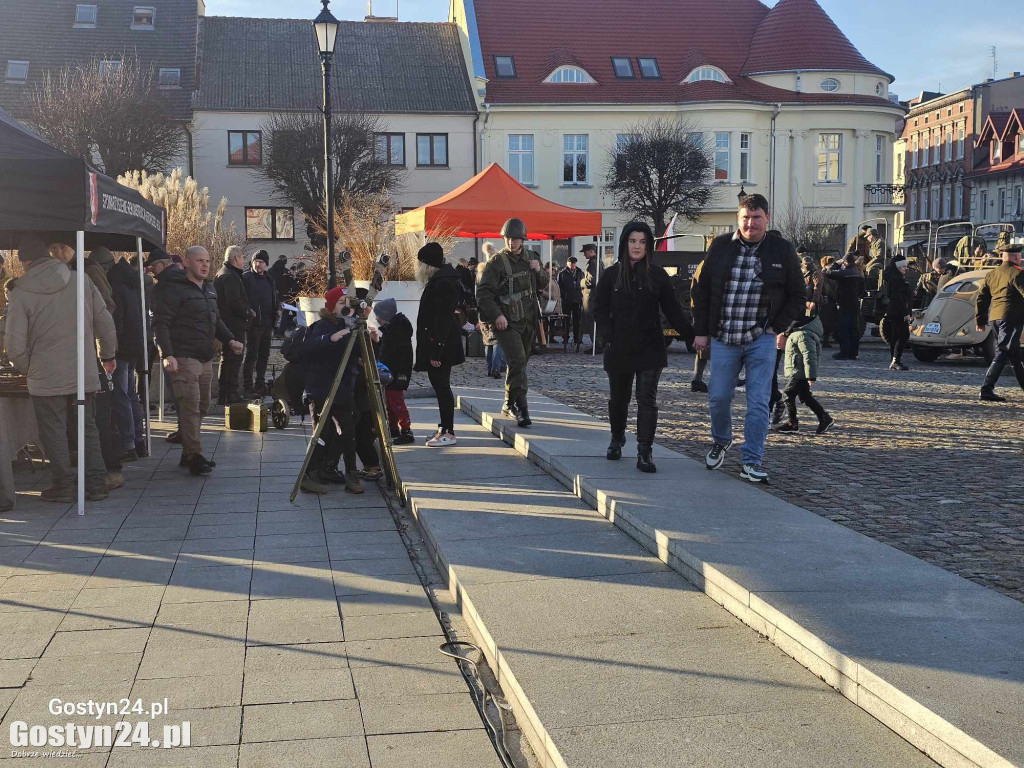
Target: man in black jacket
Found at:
x=570, y=286
x=126, y=287
x=233, y=305
x=186, y=322
x=749, y=289
x=263, y=302
x=849, y=292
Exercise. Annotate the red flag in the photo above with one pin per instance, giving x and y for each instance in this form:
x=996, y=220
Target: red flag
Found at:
x=668, y=243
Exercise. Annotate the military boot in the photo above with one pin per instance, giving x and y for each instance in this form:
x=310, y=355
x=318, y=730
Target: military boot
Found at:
x=510, y=408
x=646, y=424
x=522, y=412
x=615, y=447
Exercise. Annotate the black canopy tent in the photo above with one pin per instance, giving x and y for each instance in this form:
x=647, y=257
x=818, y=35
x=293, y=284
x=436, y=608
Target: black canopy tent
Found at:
x=47, y=192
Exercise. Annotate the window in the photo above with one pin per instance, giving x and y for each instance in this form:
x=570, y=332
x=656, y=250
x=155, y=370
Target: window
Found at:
x=569, y=75
x=143, y=17
x=899, y=166
x=995, y=156
x=505, y=66
x=110, y=67
x=924, y=148
x=649, y=69
x=269, y=224
x=744, y=157
x=983, y=205
x=432, y=149
x=936, y=145
x=1018, y=206
x=830, y=157
x=390, y=149
x=1002, y=203
x=879, y=89
x=958, y=201
x=1020, y=143
x=879, y=159
x=707, y=73
x=913, y=203
x=934, y=196
x=949, y=146
x=622, y=139
x=85, y=15
x=960, y=143
x=913, y=151
x=245, y=148
x=520, y=157
x=574, y=158
x=721, y=157
x=622, y=66
x=829, y=85
x=947, y=193
x=170, y=78
x=17, y=71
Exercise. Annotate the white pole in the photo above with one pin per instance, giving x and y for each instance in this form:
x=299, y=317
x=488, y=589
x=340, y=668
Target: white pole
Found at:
x=144, y=375
x=80, y=347
x=597, y=271
x=161, y=391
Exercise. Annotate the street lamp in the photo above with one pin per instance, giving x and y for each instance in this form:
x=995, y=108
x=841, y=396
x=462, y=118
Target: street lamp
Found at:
x=326, y=28
x=741, y=194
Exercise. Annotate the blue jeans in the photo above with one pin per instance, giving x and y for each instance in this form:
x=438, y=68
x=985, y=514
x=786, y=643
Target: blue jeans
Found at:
x=127, y=410
x=758, y=357
x=495, y=358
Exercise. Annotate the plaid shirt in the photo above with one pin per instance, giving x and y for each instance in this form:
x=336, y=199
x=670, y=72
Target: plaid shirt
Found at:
x=745, y=303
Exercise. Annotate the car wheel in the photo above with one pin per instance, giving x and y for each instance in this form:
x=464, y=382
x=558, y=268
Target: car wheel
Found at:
x=926, y=354
x=279, y=414
x=988, y=348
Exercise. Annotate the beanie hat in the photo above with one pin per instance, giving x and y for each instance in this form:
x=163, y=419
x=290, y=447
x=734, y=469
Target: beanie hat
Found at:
x=900, y=263
x=32, y=248
x=101, y=255
x=333, y=296
x=157, y=255
x=431, y=254
x=385, y=311
x=261, y=255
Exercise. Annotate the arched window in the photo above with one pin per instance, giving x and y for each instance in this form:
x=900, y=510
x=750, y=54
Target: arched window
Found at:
x=829, y=85
x=707, y=72
x=569, y=75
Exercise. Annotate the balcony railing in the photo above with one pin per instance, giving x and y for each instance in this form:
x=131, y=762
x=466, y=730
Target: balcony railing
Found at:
x=884, y=194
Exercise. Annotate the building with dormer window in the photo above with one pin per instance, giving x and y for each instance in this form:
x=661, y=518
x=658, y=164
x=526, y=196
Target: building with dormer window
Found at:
x=998, y=176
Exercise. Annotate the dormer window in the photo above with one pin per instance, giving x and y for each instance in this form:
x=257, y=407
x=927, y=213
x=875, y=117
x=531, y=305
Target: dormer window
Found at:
x=569, y=75
x=996, y=151
x=144, y=17
x=623, y=67
x=170, y=78
x=85, y=16
x=709, y=73
x=829, y=85
x=504, y=66
x=649, y=69
x=1020, y=143
x=17, y=71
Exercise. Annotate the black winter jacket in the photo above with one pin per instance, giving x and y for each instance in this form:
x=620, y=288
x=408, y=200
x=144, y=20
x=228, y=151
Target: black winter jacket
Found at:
x=396, y=350
x=232, y=300
x=124, y=286
x=438, y=331
x=185, y=317
x=780, y=272
x=570, y=285
x=322, y=358
x=630, y=320
x=262, y=298
x=898, y=293
x=849, y=286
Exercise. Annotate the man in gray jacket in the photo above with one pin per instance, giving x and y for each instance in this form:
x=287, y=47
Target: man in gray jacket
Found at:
x=41, y=341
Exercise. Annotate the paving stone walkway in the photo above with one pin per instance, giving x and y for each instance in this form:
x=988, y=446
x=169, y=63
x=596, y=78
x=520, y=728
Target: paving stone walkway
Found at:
x=915, y=460
x=286, y=635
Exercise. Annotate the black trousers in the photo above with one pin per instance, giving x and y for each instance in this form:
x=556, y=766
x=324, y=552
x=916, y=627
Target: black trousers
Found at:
x=257, y=352
x=620, y=385
x=1007, y=351
x=799, y=387
x=440, y=380
x=366, y=438
x=896, y=333
x=848, y=332
x=338, y=437
x=575, y=313
x=776, y=394
x=230, y=368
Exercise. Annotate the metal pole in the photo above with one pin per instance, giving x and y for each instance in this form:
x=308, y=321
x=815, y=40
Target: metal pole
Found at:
x=144, y=376
x=332, y=276
x=80, y=359
x=161, y=392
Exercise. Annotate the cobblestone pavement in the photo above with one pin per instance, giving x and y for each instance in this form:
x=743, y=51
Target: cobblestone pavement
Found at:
x=914, y=461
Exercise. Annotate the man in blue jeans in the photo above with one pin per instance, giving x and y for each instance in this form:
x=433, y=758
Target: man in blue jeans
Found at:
x=749, y=289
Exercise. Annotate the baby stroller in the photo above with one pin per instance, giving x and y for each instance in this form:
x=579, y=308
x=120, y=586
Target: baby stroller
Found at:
x=286, y=390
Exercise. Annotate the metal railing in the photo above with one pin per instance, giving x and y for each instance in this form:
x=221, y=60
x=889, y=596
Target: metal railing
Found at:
x=884, y=194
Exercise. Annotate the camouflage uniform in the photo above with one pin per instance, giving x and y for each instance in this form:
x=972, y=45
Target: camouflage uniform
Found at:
x=516, y=299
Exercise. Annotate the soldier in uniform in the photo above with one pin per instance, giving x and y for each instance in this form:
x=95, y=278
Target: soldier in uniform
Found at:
x=507, y=297
x=1001, y=303
x=860, y=246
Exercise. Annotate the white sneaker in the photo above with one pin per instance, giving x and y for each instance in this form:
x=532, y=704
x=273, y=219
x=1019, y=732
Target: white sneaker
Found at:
x=441, y=440
x=754, y=473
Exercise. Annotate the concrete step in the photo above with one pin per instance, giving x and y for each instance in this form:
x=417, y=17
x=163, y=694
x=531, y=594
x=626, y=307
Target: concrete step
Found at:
x=938, y=659
x=609, y=657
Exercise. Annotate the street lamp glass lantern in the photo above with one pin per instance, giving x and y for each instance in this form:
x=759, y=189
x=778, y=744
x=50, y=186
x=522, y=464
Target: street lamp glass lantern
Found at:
x=326, y=28
x=741, y=194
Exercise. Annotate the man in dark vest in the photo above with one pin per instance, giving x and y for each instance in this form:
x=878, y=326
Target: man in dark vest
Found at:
x=233, y=305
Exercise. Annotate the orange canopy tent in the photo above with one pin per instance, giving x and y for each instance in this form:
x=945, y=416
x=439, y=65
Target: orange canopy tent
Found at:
x=480, y=206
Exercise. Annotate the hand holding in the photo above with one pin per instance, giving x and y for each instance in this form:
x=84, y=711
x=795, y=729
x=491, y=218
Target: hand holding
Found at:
x=339, y=335
x=701, y=342
x=109, y=366
x=236, y=346
x=501, y=323
x=435, y=363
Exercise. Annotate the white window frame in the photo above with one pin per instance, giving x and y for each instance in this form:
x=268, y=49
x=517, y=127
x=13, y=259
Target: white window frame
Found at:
x=948, y=156
x=152, y=15
x=517, y=153
x=570, y=74
x=936, y=146
x=1002, y=203
x=825, y=152
x=621, y=139
x=168, y=86
x=879, y=159
x=1018, y=206
x=575, y=146
x=79, y=7
x=958, y=201
x=996, y=151
x=16, y=65
x=722, y=149
x=706, y=72
x=110, y=66
x=744, y=157
x=826, y=84
x=914, y=145
x=960, y=143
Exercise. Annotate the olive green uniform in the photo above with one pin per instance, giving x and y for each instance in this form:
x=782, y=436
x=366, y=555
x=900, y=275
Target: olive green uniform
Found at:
x=516, y=299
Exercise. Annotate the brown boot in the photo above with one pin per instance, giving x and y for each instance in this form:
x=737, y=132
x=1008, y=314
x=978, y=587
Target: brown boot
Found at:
x=352, y=484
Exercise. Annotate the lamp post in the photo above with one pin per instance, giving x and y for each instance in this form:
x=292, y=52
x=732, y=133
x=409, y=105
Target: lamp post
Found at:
x=741, y=194
x=326, y=28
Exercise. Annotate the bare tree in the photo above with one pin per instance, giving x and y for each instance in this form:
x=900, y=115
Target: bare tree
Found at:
x=819, y=230
x=662, y=168
x=113, y=117
x=293, y=166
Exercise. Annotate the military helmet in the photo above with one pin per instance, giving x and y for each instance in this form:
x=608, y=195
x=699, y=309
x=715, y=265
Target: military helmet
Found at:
x=514, y=229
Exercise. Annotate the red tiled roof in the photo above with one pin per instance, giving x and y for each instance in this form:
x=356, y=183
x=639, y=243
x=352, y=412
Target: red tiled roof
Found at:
x=798, y=34
x=680, y=34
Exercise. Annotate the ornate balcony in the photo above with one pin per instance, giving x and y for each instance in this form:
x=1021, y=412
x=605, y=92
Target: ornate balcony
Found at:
x=884, y=195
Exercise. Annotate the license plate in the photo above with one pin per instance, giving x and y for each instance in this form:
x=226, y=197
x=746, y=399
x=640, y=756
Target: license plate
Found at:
x=933, y=328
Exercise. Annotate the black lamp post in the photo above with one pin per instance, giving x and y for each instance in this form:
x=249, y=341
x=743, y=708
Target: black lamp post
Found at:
x=741, y=194
x=326, y=28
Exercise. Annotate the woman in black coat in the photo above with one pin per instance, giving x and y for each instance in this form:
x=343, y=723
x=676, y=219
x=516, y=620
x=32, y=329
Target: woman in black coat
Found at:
x=627, y=305
x=895, y=325
x=439, y=335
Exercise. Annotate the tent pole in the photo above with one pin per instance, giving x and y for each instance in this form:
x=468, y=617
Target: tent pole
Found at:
x=80, y=348
x=597, y=271
x=144, y=376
